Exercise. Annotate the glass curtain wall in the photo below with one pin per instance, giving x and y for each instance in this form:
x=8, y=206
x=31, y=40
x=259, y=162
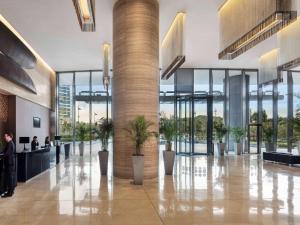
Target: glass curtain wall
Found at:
x=280, y=104
x=294, y=96
x=166, y=100
x=197, y=104
x=254, y=124
x=206, y=101
x=82, y=102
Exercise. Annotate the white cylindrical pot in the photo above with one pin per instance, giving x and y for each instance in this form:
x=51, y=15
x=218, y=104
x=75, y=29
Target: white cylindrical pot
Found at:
x=238, y=148
x=81, y=148
x=221, y=148
x=138, y=169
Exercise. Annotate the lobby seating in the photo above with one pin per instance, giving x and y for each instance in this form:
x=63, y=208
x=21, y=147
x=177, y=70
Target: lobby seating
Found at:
x=279, y=157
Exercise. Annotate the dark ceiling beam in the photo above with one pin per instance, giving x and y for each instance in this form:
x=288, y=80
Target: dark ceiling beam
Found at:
x=13, y=47
x=11, y=71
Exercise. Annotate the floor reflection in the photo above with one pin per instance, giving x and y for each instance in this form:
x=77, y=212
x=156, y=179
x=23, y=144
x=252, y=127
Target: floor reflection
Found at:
x=203, y=190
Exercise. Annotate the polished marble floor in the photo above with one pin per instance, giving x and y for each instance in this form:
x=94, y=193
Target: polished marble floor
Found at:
x=204, y=190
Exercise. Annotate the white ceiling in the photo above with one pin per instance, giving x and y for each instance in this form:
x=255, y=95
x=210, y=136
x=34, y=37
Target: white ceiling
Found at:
x=52, y=29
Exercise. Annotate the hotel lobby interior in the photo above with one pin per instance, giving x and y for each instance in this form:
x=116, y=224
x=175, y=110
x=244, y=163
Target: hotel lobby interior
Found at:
x=150, y=112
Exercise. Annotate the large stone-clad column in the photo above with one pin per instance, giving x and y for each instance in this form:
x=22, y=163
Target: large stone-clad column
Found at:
x=135, y=79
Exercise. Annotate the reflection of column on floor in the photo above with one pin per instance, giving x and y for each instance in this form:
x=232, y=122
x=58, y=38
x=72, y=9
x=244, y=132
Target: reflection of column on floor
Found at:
x=275, y=197
x=290, y=199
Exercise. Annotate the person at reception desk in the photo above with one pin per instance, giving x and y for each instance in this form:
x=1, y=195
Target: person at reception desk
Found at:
x=47, y=141
x=34, y=143
x=9, y=166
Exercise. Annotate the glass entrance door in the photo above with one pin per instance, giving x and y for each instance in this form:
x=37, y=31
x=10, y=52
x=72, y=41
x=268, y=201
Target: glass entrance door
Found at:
x=194, y=125
x=183, y=123
x=200, y=127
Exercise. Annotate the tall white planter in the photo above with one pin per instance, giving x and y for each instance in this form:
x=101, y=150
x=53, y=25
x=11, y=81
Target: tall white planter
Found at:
x=238, y=148
x=103, y=160
x=138, y=169
x=81, y=148
x=221, y=148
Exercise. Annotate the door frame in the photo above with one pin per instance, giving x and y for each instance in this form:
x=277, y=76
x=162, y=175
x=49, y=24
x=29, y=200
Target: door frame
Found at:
x=191, y=98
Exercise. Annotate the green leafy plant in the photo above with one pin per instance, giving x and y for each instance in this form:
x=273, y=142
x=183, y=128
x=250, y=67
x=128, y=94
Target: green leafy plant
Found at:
x=104, y=131
x=81, y=131
x=221, y=130
x=138, y=131
x=168, y=130
x=66, y=127
x=238, y=133
x=268, y=132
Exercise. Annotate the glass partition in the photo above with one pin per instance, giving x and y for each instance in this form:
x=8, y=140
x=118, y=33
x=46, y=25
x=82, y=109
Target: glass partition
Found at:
x=282, y=124
x=295, y=107
x=82, y=102
x=65, y=107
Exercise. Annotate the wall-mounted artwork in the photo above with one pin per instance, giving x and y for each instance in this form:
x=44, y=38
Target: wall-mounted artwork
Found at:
x=36, y=122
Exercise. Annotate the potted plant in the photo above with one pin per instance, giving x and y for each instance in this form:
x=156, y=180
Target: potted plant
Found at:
x=81, y=134
x=138, y=131
x=169, y=132
x=104, y=132
x=268, y=137
x=238, y=134
x=221, y=131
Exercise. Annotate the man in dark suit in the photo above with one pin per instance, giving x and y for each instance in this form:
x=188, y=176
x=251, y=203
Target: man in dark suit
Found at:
x=9, y=165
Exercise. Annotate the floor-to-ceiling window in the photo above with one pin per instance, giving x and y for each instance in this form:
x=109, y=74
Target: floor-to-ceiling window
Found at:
x=196, y=99
x=254, y=125
x=65, y=105
x=166, y=100
x=82, y=102
x=219, y=96
x=267, y=111
x=280, y=103
x=294, y=84
x=281, y=95
x=200, y=101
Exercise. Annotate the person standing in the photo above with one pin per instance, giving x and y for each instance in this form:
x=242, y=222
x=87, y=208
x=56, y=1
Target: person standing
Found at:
x=9, y=165
x=47, y=141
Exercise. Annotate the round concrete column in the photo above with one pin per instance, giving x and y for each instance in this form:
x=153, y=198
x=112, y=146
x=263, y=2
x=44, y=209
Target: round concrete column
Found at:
x=135, y=80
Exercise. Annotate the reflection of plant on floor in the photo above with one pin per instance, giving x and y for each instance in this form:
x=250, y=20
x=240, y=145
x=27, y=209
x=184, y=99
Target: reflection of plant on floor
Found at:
x=82, y=176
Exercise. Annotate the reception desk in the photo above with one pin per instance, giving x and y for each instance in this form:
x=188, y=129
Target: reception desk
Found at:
x=32, y=163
